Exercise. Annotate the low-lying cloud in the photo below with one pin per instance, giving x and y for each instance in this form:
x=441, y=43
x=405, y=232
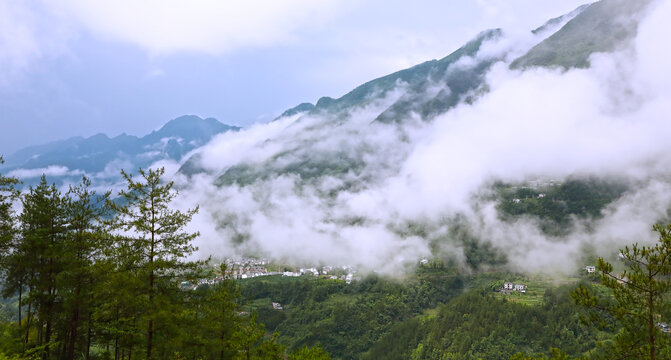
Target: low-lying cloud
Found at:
x=50, y=171
x=295, y=201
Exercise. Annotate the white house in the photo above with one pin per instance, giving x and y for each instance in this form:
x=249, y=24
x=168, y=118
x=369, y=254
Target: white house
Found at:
x=521, y=288
x=590, y=269
x=507, y=285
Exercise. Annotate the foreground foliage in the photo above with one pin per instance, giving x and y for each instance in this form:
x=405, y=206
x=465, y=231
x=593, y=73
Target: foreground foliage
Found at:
x=88, y=278
x=638, y=301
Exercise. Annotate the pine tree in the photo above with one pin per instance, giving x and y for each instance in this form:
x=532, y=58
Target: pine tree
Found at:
x=8, y=194
x=313, y=353
x=39, y=256
x=155, y=240
x=251, y=341
x=84, y=246
x=638, y=298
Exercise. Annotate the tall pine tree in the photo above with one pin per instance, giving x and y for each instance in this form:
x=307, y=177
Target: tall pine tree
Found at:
x=86, y=238
x=155, y=239
x=639, y=295
x=8, y=194
x=40, y=256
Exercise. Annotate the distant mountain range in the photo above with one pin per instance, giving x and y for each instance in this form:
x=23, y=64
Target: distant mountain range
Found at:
x=421, y=92
x=370, y=174
x=93, y=155
x=430, y=89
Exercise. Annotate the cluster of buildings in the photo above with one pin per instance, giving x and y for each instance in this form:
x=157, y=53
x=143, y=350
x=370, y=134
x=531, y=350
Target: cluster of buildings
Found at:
x=247, y=268
x=509, y=287
x=193, y=285
x=344, y=273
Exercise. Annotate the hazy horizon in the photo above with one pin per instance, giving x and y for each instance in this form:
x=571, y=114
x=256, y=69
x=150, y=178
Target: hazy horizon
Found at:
x=79, y=68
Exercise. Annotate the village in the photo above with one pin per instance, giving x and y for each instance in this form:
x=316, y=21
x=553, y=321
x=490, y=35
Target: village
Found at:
x=240, y=268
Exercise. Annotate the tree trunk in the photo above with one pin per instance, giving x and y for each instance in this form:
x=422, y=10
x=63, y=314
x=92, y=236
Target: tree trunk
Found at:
x=74, y=325
x=150, y=330
x=28, y=324
x=651, y=326
x=20, y=298
x=88, y=339
x=47, y=338
x=73, y=329
x=62, y=347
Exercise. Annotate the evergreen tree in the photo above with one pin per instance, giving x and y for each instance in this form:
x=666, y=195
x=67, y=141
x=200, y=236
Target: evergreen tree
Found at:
x=220, y=314
x=313, y=353
x=154, y=241
x=8, y=194
x=85, y=241
x=252, y=343
x=39, y=257
x=638, y=298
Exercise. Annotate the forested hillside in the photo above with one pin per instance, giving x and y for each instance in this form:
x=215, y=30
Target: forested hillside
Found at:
x=85, y=277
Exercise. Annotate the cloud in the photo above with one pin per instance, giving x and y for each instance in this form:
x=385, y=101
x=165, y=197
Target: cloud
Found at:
x=28, y=34
x=506, y=13
x=50, y=171
x=341, y=188
x=203, y=26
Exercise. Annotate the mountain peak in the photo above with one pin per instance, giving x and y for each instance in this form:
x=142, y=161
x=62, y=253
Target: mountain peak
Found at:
x=302, y=107
x=90, y=155
x=189, y=126
x=603, y=26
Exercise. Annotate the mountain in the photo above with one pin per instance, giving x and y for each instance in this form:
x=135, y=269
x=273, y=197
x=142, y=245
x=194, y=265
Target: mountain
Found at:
x=417, y=82
x=604, y=26
x=421, y=92
x=93, y=154
x=460, y=142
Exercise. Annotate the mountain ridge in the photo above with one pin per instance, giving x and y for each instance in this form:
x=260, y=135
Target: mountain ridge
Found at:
x=92, y=154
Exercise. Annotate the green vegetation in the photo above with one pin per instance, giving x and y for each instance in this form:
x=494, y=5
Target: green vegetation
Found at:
x=479, y=325
x=437, y=312
x=555, y=205
x=84, y=277
x=348, y=319
x=636, y=303
x=602, y=27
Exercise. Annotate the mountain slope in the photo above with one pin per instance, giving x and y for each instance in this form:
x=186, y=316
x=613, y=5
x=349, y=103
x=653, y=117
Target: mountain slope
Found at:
x=604, y=26
x=427, y=90
x=91, y=155
x=417, y=81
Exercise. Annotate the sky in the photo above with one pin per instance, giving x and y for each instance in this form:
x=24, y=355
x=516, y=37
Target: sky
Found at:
x=77, y=68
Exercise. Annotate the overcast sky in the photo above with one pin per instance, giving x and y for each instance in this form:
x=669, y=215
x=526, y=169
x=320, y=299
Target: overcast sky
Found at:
x=79, y=67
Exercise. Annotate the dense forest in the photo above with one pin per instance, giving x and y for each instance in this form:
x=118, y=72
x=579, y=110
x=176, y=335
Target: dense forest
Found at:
x=90, y=275
x=87, y=277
